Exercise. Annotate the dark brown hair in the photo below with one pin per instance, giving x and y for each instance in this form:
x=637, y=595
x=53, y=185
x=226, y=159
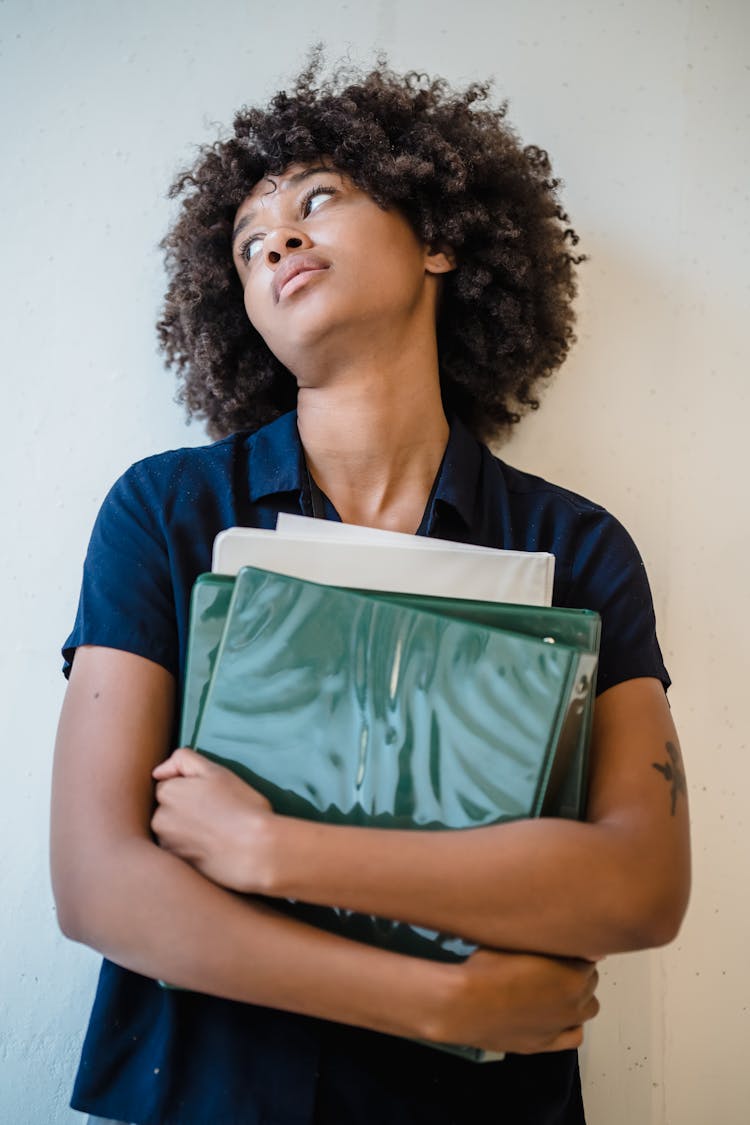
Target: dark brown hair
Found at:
x=455, y=168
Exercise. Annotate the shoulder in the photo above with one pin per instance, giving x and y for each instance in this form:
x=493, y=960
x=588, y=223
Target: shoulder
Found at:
x=170, y=473
x=537, y=498
x=152, y=537
x=597, y=566
x=580, y=532
x=593, y=550
x=178, y=492
x=250, y=464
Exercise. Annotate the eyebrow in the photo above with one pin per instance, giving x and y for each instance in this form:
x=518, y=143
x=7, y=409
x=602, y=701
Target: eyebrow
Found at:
x=291, y=181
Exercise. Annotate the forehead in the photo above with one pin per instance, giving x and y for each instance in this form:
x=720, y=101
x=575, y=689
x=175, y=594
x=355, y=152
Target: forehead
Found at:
x=291, y=177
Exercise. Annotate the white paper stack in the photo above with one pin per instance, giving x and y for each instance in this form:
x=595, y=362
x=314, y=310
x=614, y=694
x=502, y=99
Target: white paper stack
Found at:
x=337, y=554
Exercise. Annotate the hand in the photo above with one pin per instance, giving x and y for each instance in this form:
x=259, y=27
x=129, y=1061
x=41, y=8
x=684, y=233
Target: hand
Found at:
x=214, y=820
x=519, y=1002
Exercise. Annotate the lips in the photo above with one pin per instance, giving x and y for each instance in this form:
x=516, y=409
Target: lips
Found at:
x=292, y=266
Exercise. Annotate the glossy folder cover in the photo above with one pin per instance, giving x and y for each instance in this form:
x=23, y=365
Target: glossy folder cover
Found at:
x=397, y=668
x=580, y=629
x=361, y=709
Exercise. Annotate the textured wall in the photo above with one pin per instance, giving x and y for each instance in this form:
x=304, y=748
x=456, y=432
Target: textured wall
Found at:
x=644, y=108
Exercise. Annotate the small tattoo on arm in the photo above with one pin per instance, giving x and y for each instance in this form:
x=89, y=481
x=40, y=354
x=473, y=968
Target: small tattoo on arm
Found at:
x=673, y=773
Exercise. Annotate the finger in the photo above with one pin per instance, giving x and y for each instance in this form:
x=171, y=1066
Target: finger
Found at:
x=589, y=987
x=580, y=964
x=183, y=762
x=160, y=829
x=594, y=982
x=585, y=980
x=591, y=1009
x=155, y=822
x=162, y=788
x=567, y=1040
x=167, y=768
x=170, y=767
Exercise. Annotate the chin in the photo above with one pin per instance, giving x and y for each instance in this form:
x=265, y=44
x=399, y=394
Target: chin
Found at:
x=313, y=339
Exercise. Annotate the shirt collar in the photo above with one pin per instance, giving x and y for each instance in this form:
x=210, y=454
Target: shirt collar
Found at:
x=276, y=460
x=276, y=464
x=457, y=485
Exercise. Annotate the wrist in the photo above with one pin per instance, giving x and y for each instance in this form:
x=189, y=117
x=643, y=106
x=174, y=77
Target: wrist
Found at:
x=440, y=998
x=257, y=845
x=277, y=850
x=422, y=992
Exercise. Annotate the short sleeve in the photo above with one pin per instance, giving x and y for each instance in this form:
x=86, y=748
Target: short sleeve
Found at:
x=126, y=600
x=608, y=576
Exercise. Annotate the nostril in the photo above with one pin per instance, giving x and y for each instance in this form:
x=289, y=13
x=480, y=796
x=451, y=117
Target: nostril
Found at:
x=274, y=256
x=293, y=242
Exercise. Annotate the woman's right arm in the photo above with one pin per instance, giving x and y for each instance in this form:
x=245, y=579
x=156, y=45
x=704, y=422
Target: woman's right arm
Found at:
x=147, y=910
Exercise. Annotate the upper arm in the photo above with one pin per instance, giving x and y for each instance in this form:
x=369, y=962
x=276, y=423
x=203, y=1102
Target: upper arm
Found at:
x=115, y=726
x=637, y=793
x=117, y=715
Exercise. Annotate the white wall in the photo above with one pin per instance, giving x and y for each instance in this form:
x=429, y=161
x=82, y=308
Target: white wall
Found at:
x=643, y=105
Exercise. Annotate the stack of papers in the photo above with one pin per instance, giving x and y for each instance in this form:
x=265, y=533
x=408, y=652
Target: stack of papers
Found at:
x=345, y=674
x=344, y=555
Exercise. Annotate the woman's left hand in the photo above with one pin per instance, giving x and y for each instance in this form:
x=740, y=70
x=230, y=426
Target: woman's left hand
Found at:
x=214, y=820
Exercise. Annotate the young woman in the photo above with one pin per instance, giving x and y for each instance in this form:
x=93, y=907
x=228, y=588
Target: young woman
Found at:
x=383, y=255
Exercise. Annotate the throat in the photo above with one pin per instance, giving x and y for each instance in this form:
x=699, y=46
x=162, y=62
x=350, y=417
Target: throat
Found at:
x=407, y=515
x=377, y=473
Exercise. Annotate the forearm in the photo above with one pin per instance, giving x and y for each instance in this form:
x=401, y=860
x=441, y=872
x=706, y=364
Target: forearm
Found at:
x=152, y=913
x=551, y=886
x=617, y=883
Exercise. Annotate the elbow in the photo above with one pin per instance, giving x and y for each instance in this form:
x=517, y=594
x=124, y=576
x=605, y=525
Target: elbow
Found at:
x=659, y=928
x=647, y=892
x=72, y=908
x=68, y=919
x=668, y=900
x=92, y=892
x=653, y=916
x=668, y=915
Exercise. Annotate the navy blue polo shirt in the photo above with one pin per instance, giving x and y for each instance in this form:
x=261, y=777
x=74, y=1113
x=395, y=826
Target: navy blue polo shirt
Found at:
x=162, y=1057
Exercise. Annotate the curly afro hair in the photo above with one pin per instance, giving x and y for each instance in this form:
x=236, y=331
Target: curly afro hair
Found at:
x=455, y=168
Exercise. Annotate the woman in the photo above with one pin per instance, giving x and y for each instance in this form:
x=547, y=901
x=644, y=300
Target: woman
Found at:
x=406, y=276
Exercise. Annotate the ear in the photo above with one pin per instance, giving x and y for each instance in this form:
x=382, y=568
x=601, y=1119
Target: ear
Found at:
x=439, y=259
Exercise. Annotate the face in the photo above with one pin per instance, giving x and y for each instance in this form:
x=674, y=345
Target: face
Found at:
x=323, y=266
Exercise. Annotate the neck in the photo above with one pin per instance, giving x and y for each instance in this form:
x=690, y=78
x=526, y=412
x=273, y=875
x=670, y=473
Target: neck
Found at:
x=374, y=440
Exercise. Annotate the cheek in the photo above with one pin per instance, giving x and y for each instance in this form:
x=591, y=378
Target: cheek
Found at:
x=259, y=312
x=247, y=301
x=253, y=307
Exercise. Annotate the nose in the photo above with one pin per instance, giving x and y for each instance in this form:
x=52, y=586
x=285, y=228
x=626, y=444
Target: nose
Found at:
x=282, y=241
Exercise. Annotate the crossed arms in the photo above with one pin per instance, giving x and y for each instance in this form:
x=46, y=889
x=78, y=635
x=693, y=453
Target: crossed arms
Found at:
x=544, y=898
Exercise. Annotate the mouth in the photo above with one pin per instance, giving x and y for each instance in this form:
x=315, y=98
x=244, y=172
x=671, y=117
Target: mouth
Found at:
x=294, y=273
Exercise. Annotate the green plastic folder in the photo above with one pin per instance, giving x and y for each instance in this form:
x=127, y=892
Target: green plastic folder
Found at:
x=378, y=710
x=390, y=710
x=580, y=629
x=209, y=605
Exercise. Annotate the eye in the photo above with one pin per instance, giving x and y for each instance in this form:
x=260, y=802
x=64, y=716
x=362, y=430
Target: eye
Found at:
x=250, y=247
x=313, y=198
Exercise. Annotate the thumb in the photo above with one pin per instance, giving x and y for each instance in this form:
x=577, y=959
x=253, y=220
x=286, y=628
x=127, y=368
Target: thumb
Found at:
x=183, y=762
